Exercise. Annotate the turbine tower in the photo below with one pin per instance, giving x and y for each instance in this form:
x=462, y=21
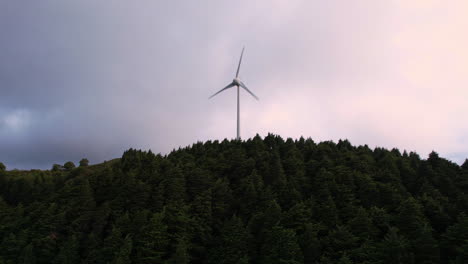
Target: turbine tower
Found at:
x=238, y=83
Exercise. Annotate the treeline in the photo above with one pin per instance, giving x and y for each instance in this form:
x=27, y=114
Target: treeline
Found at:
x=257, y=201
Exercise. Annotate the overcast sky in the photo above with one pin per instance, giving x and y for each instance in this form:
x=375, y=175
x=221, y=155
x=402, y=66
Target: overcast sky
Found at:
x=92, y=78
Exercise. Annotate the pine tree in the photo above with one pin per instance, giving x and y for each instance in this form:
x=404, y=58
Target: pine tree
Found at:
x=340, y=240
x=154, y=241
x=28, y=256
x=454, y=243
x=180, y=255
x=112, y=244
x=93, y=251
x=46, y=248
x=122, y=256
x=345, y=260
x=174, y=184
x=410, y=219
x=425, y=247
x=221, y=200
x=178, y=222
x=281, y=246
x=10, y=248
x=298, y=216
x=310, y=243
x=361, y=225
x=233, y=244
x=201, y=227
x=69, y=252
x=395, y=249
x=248, y=194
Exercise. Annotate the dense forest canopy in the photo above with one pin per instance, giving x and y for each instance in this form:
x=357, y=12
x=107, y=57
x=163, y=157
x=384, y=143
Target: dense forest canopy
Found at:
x=256, y=201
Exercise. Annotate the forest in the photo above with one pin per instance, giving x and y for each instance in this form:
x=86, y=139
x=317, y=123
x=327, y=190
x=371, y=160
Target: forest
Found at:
x=262, y=200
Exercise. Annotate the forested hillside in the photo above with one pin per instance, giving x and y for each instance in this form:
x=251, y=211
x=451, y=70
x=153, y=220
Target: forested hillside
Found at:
x=257, y=201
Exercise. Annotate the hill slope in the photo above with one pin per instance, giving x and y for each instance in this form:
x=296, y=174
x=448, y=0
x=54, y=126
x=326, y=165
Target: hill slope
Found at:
x=259, y=201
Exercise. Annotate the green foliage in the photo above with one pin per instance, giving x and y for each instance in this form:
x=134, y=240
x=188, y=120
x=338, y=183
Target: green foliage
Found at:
x=154, y=241
x=394, y=249
x=27, y=256
x=180, y=255
x=57, y=167
x=257, y=201
x=69, y=252
x=2, y=167
x=281, y=246
x=455, y=240
x=69, y=165
x=233, y=244
x=122, y=256
x=84, y=162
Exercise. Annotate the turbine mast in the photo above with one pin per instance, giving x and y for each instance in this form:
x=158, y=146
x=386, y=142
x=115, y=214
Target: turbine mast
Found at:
x=238, y=113
x=239, y=84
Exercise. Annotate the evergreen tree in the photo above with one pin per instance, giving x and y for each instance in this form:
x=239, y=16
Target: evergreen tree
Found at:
x=221, y=199
x=410, y=219
x=94, y=251
x=112, y=244
x=180, y=255
x=46, y=248
x=27, y=256
x=310, y=243
x=69, y=252
x=10, y=248
x=345, y=260
x=340, y=240
x=361, y=225
x=233, y=244
x=154, y=242
x=281, y=247
x=455, y=240
x=394, y=249
x=425, y=247
x=122, y=256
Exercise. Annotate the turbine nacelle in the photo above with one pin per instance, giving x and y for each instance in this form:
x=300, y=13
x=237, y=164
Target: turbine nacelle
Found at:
x=236, y=81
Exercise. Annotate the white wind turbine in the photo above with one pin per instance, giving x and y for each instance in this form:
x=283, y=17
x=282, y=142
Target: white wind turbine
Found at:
x=238, y=83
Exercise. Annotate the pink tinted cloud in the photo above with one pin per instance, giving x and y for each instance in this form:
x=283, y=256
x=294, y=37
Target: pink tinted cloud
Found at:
x=399, y=78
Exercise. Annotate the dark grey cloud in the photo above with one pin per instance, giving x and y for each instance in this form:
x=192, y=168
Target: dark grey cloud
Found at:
x=93, y=78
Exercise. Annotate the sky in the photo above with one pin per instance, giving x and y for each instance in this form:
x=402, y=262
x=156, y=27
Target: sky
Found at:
x=92, y=78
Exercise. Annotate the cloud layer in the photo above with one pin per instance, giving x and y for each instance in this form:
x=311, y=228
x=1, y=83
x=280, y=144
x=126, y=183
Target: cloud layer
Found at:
x=93, y=78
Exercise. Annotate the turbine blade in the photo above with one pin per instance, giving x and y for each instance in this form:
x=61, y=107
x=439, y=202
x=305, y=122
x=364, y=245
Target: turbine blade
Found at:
x=247, y=89
x=227, y=87
x=240, y=60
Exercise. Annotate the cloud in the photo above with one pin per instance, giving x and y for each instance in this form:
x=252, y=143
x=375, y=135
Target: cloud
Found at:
x=15, y=121
x=91, y=79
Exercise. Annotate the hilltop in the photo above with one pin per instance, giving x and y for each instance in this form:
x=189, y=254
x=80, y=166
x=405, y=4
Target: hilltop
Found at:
x=263, y=200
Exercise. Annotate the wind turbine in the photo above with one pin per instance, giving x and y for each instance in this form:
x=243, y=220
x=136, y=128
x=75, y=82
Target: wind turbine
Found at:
x=238, y=83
